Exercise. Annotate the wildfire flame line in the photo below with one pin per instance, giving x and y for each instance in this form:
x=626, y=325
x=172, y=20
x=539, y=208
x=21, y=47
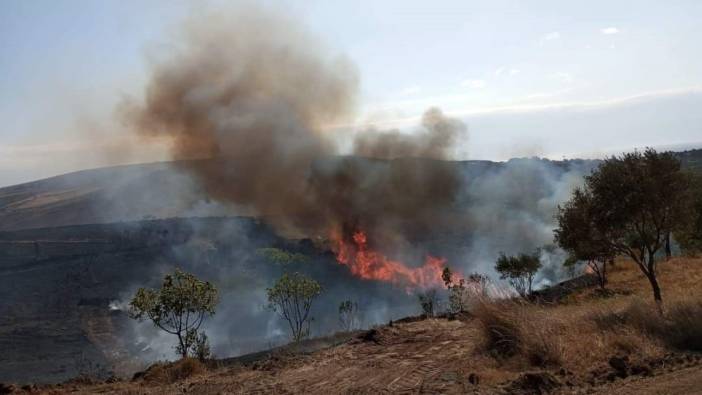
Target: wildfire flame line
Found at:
x=368, y=264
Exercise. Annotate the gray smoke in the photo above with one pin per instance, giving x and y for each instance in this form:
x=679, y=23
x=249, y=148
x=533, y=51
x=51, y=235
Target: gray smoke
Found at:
x=257, y=96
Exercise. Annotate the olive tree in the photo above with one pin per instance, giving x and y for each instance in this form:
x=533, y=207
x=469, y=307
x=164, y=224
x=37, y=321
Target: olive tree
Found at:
x=179, y=307
x=634, y=201
x=519, y=270
x=689, y=233
x=579, y=237
x=291, y=297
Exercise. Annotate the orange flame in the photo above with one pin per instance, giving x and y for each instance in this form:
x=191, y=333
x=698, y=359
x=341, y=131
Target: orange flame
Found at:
x=368, y=264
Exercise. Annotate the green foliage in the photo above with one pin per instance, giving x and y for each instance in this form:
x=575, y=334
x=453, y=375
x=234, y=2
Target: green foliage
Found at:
x=429, y=302
x=291, y=297
x=689, y=235
x=282, y=257
x=519, y=270
x=577, y=235
x=349, y=316
x=179, y=307
x=629, y=205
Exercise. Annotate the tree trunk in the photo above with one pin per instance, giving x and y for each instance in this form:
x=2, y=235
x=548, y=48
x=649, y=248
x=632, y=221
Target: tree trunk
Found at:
x=668, y=253
x=656, y=291
x=183, y=348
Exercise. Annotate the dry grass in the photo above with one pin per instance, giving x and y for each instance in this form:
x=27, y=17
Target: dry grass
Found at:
x=512, y=328
x=680, y=327
x=167, y=373
x=588, y=329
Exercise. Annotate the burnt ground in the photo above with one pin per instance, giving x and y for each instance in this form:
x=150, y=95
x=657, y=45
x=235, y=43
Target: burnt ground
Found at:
x=64, y=292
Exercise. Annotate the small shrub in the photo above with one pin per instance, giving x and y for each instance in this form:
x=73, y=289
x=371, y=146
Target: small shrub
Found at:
x=501, y=331
x=429, y=302
x=166, y=373
x=684, y=326
x=349, y=315
x=543, y=346
x=626, y=342
x=680, y=328
x=201, y=349
x=511, y=329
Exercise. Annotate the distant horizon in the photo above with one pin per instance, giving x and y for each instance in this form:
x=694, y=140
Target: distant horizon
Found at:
x=682, y=147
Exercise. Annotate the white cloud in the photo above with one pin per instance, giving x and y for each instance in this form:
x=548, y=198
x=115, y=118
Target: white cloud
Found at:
x=549, y=37
x=474, y=84
x=410, y=90
x=564, y=77
x=514, y=71
x=500, y=70
x=609, y=30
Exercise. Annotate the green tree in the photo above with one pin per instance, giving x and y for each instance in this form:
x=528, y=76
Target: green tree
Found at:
x=635, y=201
x=291, y=297
x=578, y=236
x=689, y=234
x=179, y=307
x=519, y=270
x=282, y=257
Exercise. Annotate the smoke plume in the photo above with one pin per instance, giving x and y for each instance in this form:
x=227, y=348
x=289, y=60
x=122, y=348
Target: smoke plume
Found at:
x=258, y=96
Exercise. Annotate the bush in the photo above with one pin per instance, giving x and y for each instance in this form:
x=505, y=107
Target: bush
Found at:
x=501, y=331
x=680, y=328
x=201, y=350
x=429, y=302
x=510, y=329
x=684, y=326
x=167, y=373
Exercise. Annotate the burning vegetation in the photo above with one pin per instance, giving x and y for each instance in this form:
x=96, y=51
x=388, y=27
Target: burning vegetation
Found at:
x=369, y=264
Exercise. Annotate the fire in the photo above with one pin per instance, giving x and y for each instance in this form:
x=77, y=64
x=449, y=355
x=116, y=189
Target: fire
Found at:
x=369, y=264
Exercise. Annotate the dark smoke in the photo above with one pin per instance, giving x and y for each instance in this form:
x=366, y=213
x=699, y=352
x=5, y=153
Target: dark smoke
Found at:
x=258, y=96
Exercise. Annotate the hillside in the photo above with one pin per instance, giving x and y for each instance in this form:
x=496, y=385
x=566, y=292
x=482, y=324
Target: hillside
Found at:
x=135, y=192
x=593, y=339
x=105, y=195
x=165, y=190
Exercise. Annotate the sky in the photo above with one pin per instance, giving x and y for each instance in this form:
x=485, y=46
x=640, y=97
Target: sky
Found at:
x=547, y=78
